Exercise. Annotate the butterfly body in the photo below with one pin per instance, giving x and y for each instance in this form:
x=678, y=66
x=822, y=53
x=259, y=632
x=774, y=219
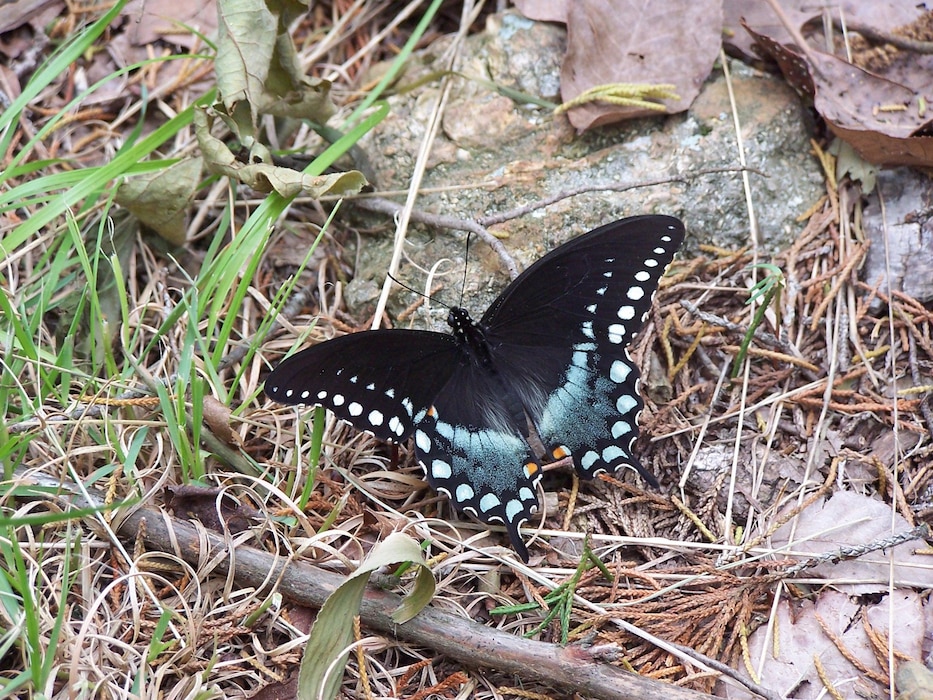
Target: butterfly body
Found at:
x=550, y=352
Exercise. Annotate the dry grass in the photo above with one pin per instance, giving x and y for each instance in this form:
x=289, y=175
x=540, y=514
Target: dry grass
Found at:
x=690, y=565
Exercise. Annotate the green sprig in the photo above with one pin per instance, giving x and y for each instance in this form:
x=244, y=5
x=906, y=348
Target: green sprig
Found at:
x=624, y=94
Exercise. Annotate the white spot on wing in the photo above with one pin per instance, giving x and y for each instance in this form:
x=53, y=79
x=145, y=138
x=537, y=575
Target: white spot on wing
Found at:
x=513, y=508
x=445, y=430
x=464, y=493
x=619, y=371
x=616, y=333
x=613, y=452
x=440, y=469
x=488, y=502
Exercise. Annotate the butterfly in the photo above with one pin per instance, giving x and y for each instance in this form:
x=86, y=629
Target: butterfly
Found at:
x=549, y=357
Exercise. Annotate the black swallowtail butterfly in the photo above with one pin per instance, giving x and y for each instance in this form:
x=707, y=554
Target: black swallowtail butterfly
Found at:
x=551, y=351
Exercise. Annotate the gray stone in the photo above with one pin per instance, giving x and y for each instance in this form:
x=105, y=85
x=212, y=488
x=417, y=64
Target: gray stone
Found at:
x=906, y=225
x=494, y=154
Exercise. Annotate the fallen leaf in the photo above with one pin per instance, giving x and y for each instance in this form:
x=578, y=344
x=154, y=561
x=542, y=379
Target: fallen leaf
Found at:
x=266, y=177
x=171, y=21
x=258, y=69
x=36, y=13
x=882, y=14
x=632, y=41
x=327, y=649
x=161, y=199
x=876, y=102
x=217, y=417
x=784, y=657
x=850, y=520
x=200, y=503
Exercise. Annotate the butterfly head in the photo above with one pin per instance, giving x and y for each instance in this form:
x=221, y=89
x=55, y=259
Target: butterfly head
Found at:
x=459, y=321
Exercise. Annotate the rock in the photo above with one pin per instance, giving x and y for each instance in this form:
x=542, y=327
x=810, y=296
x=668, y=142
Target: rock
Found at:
x=906, y=221
x=494, y=154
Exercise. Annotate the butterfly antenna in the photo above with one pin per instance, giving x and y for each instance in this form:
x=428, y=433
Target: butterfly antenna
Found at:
x=466, y=263
x=416, y=291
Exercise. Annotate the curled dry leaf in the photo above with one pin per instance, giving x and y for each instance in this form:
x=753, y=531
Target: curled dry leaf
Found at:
x=632, y=41
x=258, y=70
x=217, y=417
x=160, y=199
x=265, y=177
x=881, y=107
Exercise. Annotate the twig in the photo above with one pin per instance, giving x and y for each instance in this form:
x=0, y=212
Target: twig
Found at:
x=501, y=217
x=880, y=37
x=480, y=225
x=723, y=668
x=855, y=551
x=387, y=206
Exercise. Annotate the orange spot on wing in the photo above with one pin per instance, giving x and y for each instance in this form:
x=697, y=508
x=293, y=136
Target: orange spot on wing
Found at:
x=560, y=452
x=531, y=469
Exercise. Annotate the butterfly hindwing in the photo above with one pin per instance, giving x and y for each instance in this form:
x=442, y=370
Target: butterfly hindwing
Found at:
x=474, y=451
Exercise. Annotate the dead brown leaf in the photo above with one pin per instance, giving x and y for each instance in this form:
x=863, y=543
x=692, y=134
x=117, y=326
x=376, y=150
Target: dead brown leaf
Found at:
x=217, y=417
x=200, y=503
x=879, y=107
x=881, y=14
x=36, y=13
x=632, y=41
x=168, y=19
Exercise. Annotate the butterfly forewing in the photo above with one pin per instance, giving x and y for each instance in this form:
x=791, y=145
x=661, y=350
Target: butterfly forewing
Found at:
x=379, y=381
x=605, y=279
